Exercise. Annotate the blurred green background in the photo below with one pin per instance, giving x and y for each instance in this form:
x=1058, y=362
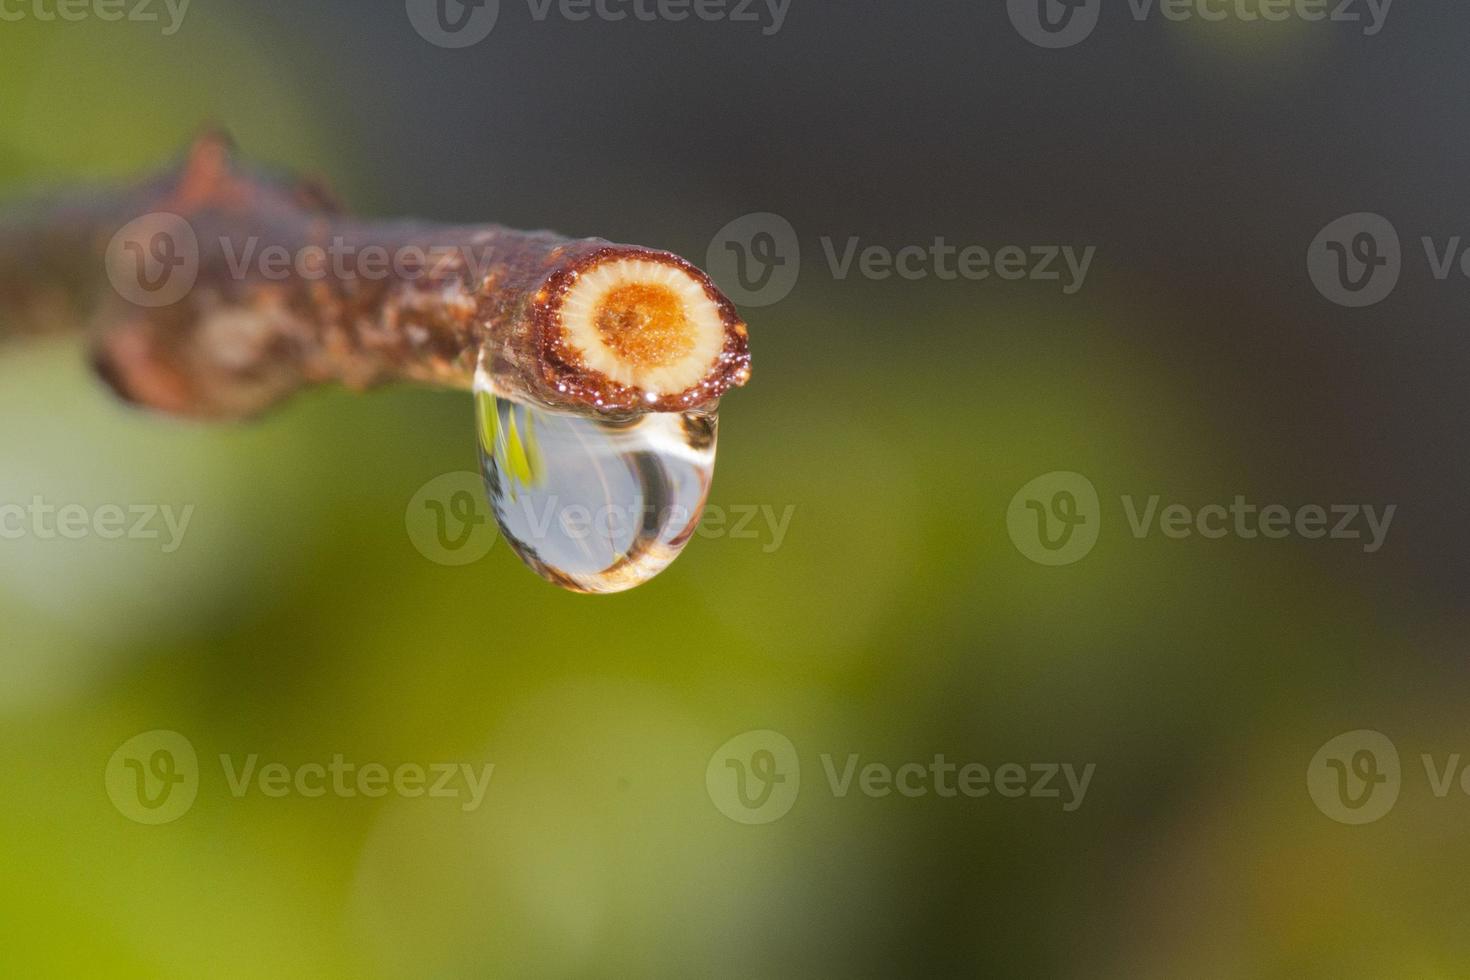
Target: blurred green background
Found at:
x=895, y=620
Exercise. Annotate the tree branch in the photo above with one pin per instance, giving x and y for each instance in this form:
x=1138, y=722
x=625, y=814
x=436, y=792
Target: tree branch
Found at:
x=214, y=292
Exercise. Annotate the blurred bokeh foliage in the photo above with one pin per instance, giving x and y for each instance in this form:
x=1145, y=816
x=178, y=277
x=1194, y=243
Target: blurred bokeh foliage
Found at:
x=895, y=620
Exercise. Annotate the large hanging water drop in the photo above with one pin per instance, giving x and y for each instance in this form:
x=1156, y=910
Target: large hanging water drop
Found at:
x=593, y=504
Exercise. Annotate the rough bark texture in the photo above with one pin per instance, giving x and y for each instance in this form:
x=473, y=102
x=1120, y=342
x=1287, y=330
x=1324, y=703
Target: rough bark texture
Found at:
x=278, y=290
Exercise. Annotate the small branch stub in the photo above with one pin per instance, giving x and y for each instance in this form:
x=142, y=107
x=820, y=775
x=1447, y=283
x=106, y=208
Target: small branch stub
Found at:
x=285, y=292
x=630, y=329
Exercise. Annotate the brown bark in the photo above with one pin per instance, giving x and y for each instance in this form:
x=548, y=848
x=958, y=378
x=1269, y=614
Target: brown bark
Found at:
x=278, y=290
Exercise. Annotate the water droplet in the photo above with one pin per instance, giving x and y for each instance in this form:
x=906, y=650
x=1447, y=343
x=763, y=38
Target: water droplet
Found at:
x=594, y=504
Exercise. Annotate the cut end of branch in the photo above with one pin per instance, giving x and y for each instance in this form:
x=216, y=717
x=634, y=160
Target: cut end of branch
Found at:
x=644, y=325
x=639, y=330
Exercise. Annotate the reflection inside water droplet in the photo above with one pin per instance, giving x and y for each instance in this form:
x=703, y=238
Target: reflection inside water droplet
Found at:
x=593, y=504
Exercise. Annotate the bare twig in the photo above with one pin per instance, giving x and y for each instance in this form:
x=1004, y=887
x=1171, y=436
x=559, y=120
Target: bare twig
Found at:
x=213, y=292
